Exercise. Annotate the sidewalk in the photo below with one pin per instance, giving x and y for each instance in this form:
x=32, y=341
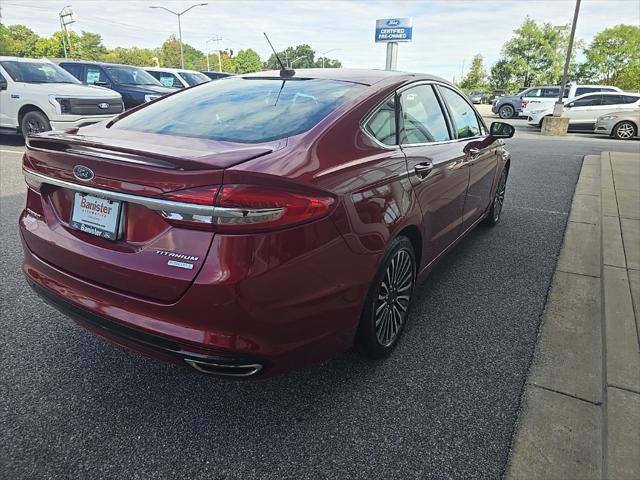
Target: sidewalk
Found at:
x=580, y=415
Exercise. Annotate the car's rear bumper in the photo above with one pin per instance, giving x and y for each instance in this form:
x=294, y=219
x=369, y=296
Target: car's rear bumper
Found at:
x=235, y=315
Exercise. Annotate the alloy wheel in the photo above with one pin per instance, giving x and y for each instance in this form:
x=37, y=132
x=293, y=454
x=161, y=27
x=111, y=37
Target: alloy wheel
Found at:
x=393, y=297
x=506, y=111
x=625, y=130
x=498, y=200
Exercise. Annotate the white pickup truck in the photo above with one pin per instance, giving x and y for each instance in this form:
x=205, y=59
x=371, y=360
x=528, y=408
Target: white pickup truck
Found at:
x=37, y=95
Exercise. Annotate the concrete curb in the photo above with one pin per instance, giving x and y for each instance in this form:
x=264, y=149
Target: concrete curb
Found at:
x=580, y=414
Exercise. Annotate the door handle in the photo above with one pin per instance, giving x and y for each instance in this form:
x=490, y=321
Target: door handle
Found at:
x=423, y=169
x=474, y=153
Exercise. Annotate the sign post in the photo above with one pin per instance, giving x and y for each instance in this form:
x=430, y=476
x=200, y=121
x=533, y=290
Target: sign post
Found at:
x=392, y=31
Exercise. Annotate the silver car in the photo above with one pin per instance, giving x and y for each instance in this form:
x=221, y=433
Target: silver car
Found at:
x=622, y=124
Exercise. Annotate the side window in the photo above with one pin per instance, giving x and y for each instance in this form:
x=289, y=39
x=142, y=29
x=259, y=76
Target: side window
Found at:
x=588, y=101
x=534, y=92
x=612, y=99
x=382, y=124
x=94, y=74
x=550, y=92
x=422, y=117
x=464, y=117
x=629, y=99
x=583, y=90
x=75, y=70
x=169, y=80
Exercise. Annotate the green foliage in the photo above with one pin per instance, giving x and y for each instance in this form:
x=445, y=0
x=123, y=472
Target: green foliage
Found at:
x=18, y=40
x=476, y=76
x=301, y=56
x=169, y=55
x=613, y=57
x=535, y=55
x=142, y=57
x=248, y=61
x=228, y=62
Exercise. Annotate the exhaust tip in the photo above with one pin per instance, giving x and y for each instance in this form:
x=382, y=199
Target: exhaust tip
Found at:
x=244, y=370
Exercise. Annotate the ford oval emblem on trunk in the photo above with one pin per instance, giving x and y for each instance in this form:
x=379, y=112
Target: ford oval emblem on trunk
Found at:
x=103, y=105
x=83, y=173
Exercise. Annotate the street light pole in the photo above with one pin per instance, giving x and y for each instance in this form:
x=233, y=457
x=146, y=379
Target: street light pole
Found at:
x=325, y=53
x=179, y=14
x=559, y=106
x=216, y=39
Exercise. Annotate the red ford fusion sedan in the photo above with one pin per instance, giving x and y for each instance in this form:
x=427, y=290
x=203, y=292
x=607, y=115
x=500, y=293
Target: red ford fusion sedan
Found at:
x=261, y=222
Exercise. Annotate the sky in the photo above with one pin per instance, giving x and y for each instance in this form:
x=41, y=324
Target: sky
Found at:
x=447, y=34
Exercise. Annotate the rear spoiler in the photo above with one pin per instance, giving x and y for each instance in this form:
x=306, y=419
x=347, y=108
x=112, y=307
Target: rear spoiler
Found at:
x=96, y=147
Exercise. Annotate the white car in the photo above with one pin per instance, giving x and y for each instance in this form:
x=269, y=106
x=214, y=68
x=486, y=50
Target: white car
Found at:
x=541, y=97
x=177, y=78
x=38, y=95
x=583, y=111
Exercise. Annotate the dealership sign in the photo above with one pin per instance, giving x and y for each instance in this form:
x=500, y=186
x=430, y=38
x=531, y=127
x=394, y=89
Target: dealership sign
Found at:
x=394, y=30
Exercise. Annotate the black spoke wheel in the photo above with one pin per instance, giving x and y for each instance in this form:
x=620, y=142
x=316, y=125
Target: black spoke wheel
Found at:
x=387, y=305
x=493, y=217
x=506, y=111
x=34, y=122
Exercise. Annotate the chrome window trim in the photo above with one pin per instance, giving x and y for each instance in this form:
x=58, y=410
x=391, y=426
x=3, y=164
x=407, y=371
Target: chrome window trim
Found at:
x=398, y=91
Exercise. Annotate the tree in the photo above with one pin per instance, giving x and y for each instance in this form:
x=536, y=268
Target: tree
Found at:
x=502, y=76
x=248, y=61
x=325, y=62
x=301, y=56
x=613, y=53
x=142, y=57
x=89, y=46
x=169, y=55
x=21, y=41
x=476, y=77
x=535, y=54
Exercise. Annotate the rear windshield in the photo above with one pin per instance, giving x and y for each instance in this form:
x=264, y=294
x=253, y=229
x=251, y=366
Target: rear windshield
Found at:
x=37, y=72
x=194, y=78
x=132, y=76
x=243, y=110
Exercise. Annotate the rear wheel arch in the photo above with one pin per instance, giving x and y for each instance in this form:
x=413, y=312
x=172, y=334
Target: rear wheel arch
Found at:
x=412, y=232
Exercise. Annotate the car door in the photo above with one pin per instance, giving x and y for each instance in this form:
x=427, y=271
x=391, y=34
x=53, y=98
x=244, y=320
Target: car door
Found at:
x=7, y=116
x=481, y=162
x=436, y=166
x=584, y=111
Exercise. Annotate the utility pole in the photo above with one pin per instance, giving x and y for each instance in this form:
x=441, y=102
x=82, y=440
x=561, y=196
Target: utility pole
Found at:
x=216, y=39
x=179, y=14
x=559, y=106
x=66, y=18
x=325, y=53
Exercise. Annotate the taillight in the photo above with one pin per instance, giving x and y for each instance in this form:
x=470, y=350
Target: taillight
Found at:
x=199, y=196
x=244, y=208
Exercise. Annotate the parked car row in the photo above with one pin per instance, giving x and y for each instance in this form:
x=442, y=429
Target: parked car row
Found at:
x=38, y=95
x=479, y=96
x=535, y=97
x=585, y=111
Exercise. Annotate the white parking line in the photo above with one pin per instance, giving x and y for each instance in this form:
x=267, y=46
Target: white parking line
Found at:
x=11, y=151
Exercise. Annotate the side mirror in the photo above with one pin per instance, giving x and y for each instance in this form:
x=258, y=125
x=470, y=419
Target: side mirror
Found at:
x=501, y=130
x=3, y=84
x=569, y=105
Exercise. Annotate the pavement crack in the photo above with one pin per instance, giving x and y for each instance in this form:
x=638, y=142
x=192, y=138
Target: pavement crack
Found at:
x=565, y=394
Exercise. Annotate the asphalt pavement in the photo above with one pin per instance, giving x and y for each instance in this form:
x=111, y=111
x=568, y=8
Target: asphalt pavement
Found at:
x=443, y=406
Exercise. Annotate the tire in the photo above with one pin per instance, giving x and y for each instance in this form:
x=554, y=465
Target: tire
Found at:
x=493, y=216
x=390, y=297
x=542, y=120
x=506, y=111
x=624, y=130
x=34, y=122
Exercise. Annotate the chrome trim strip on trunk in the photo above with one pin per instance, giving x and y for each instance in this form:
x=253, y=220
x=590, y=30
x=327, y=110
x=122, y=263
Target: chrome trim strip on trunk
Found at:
x=165, y=207
x=149, y=202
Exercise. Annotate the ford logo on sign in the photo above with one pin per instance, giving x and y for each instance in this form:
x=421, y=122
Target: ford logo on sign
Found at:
x=393, y=22
x=83, y=173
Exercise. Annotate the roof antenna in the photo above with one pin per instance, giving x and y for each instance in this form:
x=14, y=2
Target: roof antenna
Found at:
x=284, y=71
